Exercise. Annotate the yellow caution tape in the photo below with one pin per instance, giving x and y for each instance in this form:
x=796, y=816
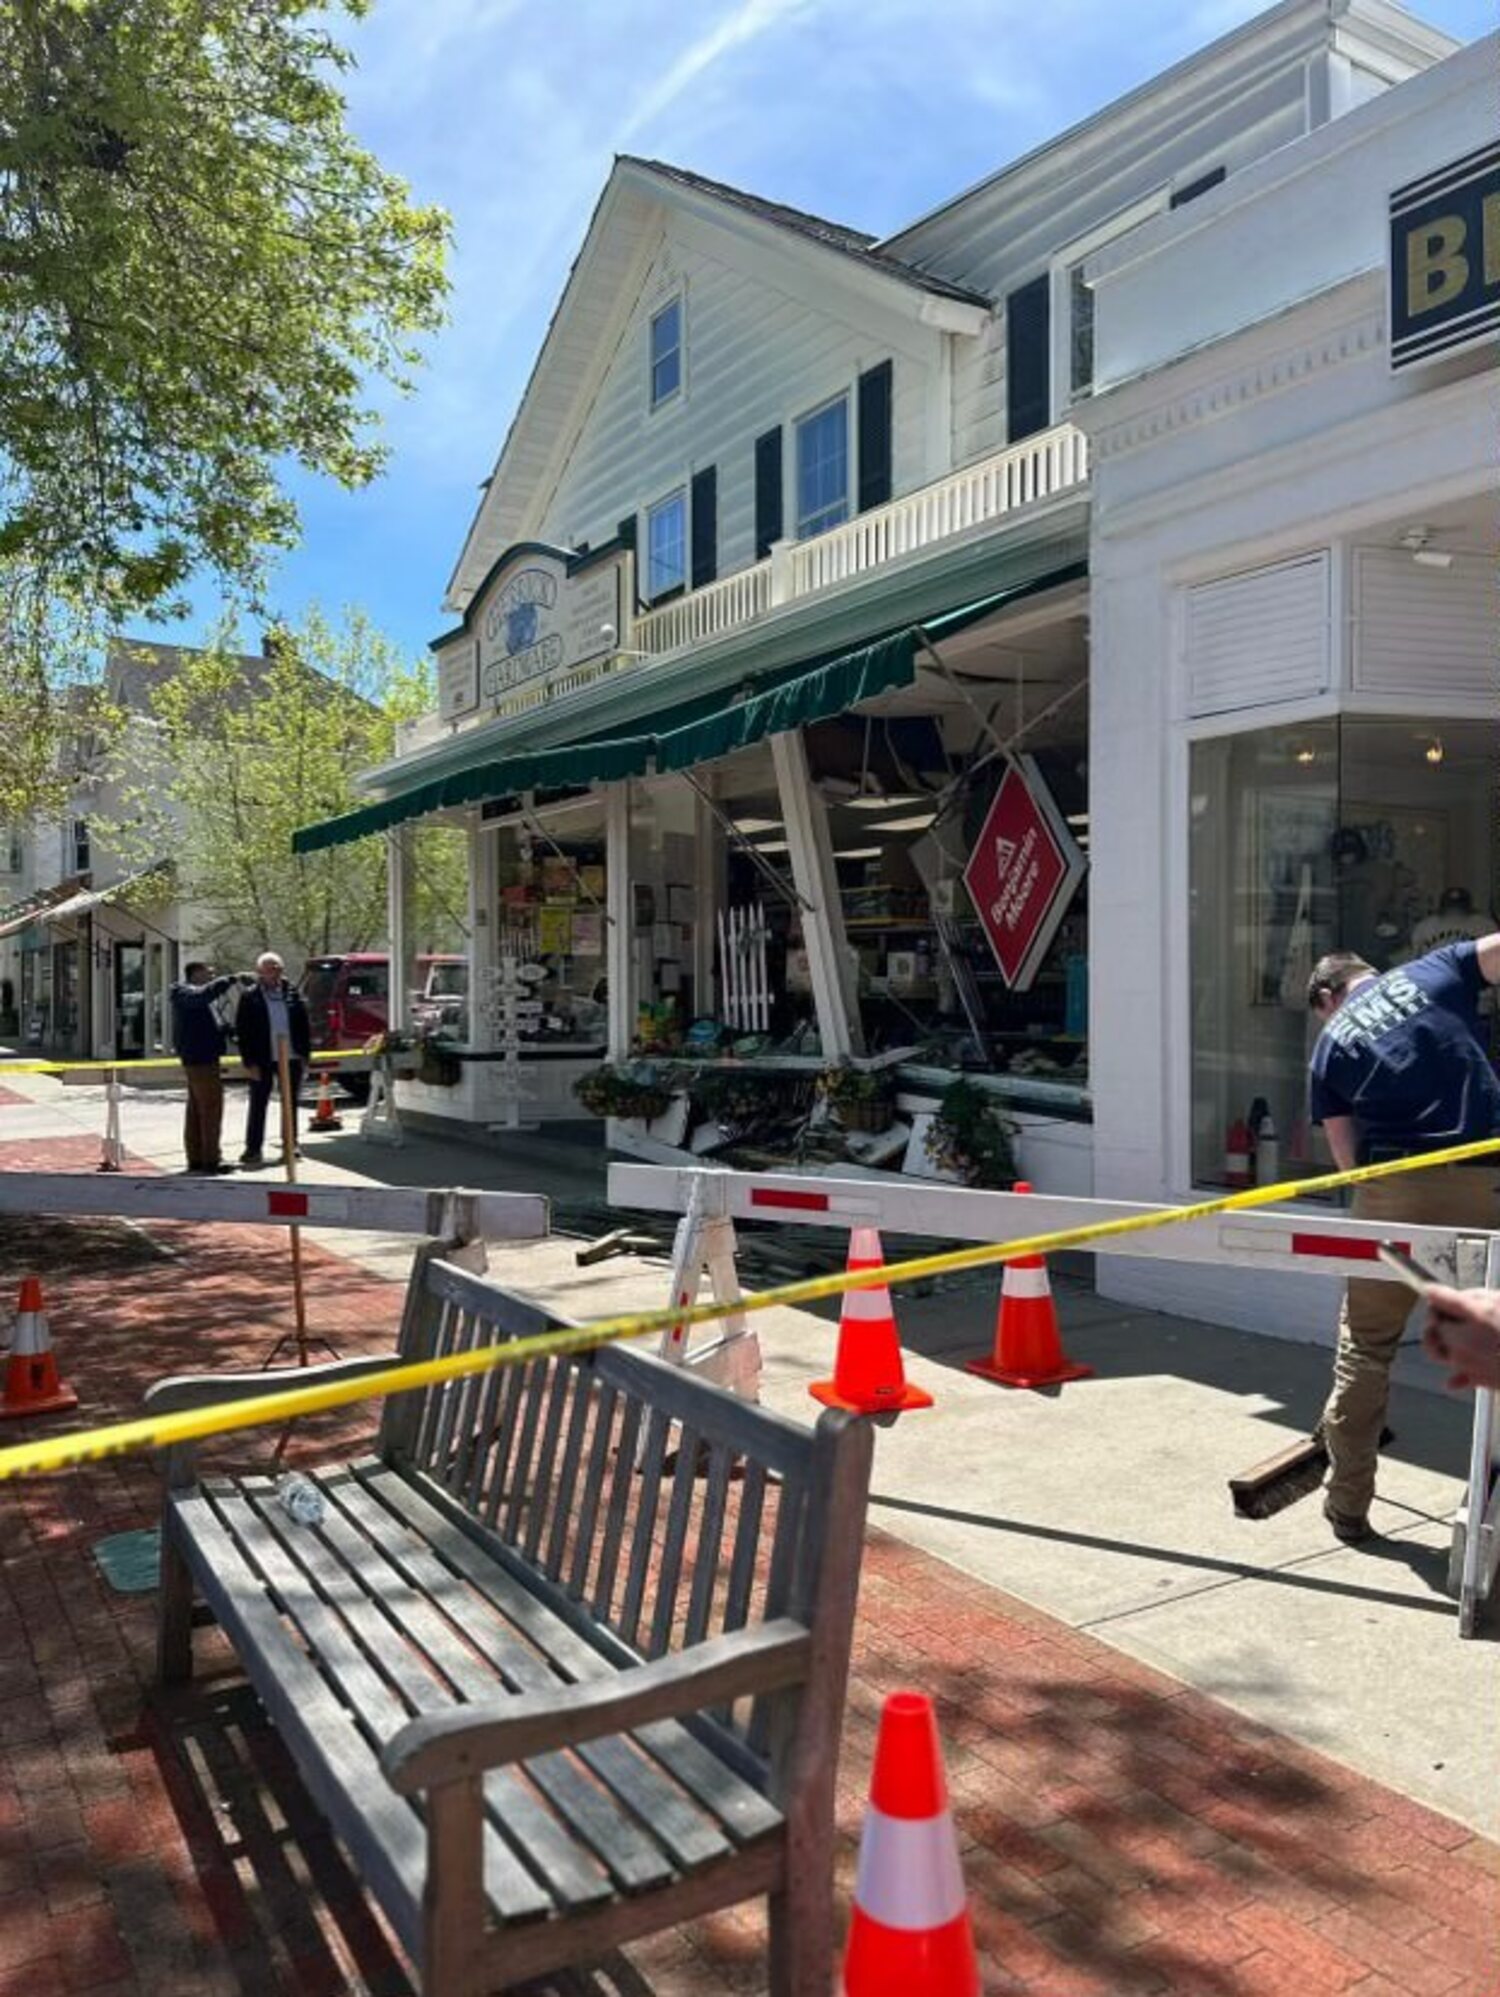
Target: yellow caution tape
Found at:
x=231, y=1062
x=289, y=1404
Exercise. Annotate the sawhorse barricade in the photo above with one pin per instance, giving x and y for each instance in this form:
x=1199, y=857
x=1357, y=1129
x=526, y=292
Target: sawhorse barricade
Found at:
x=705, y=1245
x=1269, y=1240
x=451, y=1213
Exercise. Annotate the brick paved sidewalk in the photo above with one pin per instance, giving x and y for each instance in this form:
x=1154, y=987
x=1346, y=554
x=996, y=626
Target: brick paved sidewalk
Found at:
x=1122, y=1833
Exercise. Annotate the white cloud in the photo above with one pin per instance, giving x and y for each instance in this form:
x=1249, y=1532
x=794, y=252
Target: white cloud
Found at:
x=741, y=26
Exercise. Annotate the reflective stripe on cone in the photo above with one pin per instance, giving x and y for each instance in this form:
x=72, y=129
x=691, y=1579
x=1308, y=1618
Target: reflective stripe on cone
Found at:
x=909, y=1931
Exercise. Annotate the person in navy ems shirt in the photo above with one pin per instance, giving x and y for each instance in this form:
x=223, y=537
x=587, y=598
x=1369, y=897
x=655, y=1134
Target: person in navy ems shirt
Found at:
x=1400, y=1067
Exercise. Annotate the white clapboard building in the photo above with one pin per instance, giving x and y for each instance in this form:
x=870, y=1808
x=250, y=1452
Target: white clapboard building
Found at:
x=832, y=648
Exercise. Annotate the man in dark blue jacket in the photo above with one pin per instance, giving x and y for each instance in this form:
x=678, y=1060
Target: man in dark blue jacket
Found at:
x=198, y=1039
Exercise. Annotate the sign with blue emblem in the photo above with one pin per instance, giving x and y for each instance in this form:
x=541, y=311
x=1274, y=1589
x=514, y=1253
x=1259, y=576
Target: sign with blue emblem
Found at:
x=538, y=619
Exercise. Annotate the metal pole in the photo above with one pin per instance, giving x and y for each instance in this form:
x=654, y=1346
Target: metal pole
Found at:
x=289, y=1166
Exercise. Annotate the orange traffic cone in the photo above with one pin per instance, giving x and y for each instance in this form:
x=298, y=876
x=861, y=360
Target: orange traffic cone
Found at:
x=31, y=1383
x=1028, y=1345
x=910, y=1934
x=868, y=1377
x=325, y=1116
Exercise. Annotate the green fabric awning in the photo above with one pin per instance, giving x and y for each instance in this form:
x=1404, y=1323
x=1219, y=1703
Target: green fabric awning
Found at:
x=712, y=725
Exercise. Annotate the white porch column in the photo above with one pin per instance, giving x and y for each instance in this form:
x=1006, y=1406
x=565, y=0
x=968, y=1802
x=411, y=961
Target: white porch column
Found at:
x=708, y=875
x=398, y=1005
x=483, y=899
x=835, y=990
x=619, y=963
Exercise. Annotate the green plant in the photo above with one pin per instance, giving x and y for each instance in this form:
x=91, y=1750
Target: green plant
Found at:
x=861, y=1098
x=607, y=1091
x=970, y=1136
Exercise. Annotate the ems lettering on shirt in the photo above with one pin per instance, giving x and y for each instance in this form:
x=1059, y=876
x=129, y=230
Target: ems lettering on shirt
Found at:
x=1389, y=1002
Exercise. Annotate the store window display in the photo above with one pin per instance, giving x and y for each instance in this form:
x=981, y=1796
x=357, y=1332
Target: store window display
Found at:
x=1368, y=834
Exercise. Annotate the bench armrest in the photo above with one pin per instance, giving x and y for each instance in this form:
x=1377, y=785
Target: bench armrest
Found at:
x=458, y=1745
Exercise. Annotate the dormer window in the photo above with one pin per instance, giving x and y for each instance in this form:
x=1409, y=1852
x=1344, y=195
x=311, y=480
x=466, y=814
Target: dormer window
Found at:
x=666, y=353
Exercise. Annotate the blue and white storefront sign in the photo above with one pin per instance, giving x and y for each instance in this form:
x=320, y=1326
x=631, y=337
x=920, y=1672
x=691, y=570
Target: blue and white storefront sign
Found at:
x=1445, y=259
x=537, y=617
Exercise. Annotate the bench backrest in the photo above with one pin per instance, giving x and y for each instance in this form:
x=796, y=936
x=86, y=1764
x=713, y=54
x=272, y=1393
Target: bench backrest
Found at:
x=649, y=1507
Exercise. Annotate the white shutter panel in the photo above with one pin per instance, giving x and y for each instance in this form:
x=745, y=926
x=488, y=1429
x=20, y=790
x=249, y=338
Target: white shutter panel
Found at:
x=1426, y=630
x=1259, y=637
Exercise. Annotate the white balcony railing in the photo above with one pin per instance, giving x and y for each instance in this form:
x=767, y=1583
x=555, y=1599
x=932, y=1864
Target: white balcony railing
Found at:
x=1053, y=462
x=704, y=613
x=1043, y=467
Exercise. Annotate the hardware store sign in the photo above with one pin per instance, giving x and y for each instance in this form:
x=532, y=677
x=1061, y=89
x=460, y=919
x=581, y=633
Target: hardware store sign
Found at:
x=535, y=622
x=1445, y=259
x=1022, y=873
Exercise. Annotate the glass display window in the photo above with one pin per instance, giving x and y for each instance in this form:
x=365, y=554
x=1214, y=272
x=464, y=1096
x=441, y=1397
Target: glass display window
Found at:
x=1369, y=834
x=549, y=919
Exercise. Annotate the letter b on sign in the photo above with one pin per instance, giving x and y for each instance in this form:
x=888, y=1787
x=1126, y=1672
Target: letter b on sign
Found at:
x=1436, y=268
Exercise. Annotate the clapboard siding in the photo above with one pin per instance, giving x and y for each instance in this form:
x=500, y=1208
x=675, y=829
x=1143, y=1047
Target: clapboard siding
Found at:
x=1000, y=237
x=1428, y=630
x=757, y=354
x=1259, y=637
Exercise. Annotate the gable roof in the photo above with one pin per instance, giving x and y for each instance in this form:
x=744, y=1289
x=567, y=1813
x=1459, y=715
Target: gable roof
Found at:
x=814, y=228
x=585, y=319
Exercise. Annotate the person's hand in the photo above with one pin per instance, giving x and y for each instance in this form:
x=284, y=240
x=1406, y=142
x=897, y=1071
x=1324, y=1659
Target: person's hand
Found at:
x=1463, y=1332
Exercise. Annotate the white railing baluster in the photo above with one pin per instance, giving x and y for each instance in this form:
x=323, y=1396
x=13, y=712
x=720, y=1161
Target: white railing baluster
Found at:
x=1041, y=467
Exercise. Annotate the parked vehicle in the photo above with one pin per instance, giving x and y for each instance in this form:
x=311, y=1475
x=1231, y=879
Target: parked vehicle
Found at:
x=440, y=997
x=347, y=998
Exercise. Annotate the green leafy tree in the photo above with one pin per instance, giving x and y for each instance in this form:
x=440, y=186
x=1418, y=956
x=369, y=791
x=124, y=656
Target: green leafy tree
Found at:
x=202, y=276
x=237, y=753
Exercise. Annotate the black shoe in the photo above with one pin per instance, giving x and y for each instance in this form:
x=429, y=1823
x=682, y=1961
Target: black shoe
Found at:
x=252, y=1161
x=218, y=1171
x=1350, y=1527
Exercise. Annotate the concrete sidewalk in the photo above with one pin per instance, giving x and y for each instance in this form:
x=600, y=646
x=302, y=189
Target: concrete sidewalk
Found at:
x=1102, y=1504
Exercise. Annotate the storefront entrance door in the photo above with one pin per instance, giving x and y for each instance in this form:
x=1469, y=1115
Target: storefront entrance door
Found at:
x=130, y=1001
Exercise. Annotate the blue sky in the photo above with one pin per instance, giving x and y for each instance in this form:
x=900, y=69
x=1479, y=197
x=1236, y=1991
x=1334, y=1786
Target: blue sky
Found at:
x=508, y=113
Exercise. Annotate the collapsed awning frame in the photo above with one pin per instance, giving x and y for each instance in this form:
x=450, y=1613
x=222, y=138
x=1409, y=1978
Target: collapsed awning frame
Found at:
x=702, y=730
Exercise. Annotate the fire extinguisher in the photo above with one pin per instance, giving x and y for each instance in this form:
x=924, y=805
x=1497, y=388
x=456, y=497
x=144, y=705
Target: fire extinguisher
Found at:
x=1238, y=1153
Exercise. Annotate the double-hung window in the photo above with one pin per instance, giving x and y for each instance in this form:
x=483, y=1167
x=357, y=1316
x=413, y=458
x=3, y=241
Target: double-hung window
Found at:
x=666, y=353
x=666, y=546
x=823, y=468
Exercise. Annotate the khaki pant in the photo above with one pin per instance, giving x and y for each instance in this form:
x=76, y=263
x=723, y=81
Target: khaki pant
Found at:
x=1375, y=1314
x=205, y=1114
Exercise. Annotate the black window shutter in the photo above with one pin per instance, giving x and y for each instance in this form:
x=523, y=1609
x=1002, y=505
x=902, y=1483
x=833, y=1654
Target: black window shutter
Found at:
x=874, y=436
x=1028, y=359
x=1183, y=195
x=767, y=492
x=704, y=511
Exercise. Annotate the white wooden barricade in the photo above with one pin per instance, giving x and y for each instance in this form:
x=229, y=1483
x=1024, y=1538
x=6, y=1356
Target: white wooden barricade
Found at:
x=1271, y=1239
x=705, y=1245
x=450, y=1213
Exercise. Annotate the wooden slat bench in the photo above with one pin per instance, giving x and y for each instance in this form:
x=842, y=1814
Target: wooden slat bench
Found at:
x=565, y=1661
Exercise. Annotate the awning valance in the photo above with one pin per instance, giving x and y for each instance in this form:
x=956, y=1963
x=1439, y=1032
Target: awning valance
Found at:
x=91, y=898
x=701, y=730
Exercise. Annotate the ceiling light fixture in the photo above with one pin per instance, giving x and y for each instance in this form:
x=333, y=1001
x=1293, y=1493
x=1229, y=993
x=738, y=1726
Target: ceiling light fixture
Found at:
x=858, y=852
x=919, y=822
x=1416, y=542
x=770, y=846
x=744, y=826
x=895, y=801
x=1434, y=751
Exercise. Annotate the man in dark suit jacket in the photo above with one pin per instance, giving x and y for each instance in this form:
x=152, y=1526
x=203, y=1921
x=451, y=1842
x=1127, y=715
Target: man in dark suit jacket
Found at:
x=271, y=1011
